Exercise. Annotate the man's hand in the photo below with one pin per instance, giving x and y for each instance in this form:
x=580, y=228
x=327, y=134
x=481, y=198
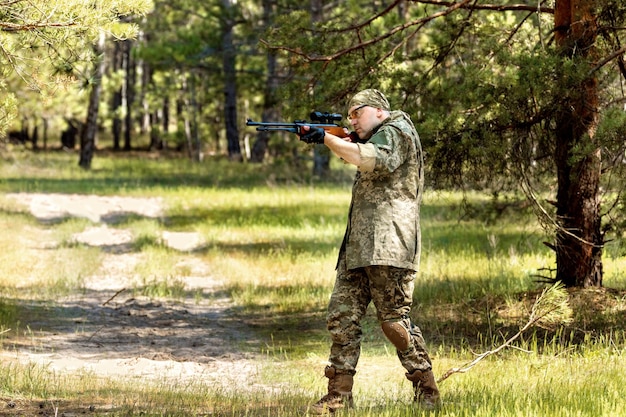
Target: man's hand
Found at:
x=312, y=135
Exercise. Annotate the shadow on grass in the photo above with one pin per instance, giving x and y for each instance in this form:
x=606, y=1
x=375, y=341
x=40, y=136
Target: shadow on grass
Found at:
x=131, y=404
x=128, y=327
x=487, y=321
x=154, y=329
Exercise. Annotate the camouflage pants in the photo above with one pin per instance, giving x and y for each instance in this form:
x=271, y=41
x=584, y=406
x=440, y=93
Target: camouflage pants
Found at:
x=391, y=291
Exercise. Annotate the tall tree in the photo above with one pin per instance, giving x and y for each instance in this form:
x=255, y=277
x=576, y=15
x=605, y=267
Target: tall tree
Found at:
x=579, y=239
x=117, y=59
x=191, y=120
x=230, y=79
x=321, y=153
x=130, y=81
x=270, y=93
x=88, y=135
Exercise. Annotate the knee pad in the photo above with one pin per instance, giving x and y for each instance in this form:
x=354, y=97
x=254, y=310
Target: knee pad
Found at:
x=397, y=334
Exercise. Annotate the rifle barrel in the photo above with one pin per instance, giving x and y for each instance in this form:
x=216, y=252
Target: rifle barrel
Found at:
x=292, y=129
x=250, y=122
x=270, y=124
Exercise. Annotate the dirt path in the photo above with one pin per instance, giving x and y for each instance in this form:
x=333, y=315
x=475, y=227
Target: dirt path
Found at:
x=107, y=331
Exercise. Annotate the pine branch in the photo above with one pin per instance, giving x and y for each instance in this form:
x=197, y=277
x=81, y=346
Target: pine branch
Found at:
x=370, y=20
x=25, y=27
x=449, y=8
x=608, y=59
x=373, y=41
x=494, y=7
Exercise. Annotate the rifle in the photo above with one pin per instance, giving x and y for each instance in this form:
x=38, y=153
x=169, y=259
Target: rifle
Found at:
x=319, y=119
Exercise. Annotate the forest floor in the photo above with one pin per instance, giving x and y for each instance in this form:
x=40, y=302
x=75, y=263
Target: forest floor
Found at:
x=106, y=331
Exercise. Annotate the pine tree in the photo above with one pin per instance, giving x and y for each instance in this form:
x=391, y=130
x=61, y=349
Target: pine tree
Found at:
x=44, y=42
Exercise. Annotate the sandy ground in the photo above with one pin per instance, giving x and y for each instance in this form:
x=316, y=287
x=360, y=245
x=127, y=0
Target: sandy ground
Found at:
x=105, y=330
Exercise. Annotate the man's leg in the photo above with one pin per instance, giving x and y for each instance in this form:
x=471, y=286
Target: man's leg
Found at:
x=392, y=294
x=347, y=306
x=348, y=303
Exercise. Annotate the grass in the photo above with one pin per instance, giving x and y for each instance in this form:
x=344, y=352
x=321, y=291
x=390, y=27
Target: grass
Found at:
x=271, y=237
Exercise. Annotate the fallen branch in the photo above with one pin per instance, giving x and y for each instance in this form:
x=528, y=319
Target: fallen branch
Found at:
x=550, y=307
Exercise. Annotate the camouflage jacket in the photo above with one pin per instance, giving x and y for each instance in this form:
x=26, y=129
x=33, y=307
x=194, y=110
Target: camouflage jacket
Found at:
x=383, y=222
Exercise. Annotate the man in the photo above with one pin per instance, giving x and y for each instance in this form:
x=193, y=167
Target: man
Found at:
x=380, y=253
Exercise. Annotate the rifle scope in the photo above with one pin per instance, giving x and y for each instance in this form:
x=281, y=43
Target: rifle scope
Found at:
x=325, y=117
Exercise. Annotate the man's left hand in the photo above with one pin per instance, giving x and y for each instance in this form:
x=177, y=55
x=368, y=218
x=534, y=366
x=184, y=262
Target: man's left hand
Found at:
x=313, y=135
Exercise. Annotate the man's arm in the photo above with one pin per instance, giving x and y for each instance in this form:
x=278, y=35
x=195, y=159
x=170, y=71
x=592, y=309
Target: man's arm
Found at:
x=362, y=155
x=344, y=149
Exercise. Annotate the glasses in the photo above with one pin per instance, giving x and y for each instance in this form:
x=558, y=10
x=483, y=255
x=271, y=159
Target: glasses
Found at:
x=356, y=113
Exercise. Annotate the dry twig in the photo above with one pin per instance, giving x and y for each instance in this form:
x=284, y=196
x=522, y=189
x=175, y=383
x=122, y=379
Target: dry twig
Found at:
x=114, y=295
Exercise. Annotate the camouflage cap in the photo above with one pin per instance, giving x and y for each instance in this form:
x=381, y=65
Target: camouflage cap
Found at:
x=370, y=97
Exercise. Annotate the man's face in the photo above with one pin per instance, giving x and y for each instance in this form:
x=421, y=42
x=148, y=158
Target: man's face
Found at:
x=364, y=119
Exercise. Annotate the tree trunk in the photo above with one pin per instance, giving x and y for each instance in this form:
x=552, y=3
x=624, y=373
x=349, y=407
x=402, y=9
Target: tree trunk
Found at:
x=191, y=121
x=35, y=138
x=154, y=115
x=155, y=131
x=45, y=132
x=230, y=83
x=579, y=239
x=146, y=81
x=270, y=102
x=88, y=135
x=116, y=100
x=129, y=92
x=181, y=118
x=321, y=154
x=165, y=122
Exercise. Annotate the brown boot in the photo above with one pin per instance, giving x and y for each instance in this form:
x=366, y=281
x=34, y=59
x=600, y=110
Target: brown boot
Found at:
x=339, y=393
x=425, y=386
